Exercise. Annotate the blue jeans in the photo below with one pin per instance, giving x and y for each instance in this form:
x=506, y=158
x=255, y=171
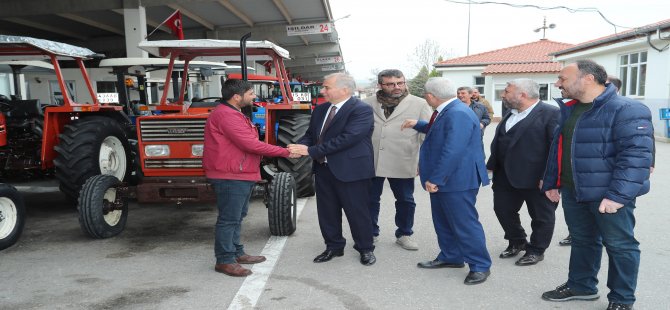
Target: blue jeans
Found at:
x=403, y=191
x=232, y=199
x=590, y=230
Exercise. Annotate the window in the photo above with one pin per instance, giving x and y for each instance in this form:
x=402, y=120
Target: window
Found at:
x=499, y=90
x=544, y=92
x=57, y=95
x=480, y=81
x=633, y=73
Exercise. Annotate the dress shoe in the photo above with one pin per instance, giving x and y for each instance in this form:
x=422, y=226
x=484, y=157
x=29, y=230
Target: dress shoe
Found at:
x=249, y=259
x=368, y=258
x=476, y=277
x=434, y=264
x=512, y=250
x=529, y=259
x=328, y=255
x=235, y=270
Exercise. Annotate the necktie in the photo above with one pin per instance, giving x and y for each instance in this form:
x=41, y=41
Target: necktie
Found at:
x=432, y=119
x=329, y=119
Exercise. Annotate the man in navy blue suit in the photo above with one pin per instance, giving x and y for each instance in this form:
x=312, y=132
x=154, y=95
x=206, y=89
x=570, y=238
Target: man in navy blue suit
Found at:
x=339, y=141
x=451, y=168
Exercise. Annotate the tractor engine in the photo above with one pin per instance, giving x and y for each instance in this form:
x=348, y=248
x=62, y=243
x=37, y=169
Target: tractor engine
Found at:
x=20, y=155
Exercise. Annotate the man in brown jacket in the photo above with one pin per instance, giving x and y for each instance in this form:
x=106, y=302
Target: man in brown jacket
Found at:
x=396, y=152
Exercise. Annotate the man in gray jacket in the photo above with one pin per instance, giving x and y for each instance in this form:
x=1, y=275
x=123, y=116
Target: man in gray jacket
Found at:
x=396, y=152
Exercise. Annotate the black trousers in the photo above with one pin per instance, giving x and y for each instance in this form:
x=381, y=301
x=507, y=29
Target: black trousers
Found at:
x=333, y=196
x=507, y=202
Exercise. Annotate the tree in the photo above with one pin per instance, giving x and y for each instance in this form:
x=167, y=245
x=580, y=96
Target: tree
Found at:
x=426, y=54
x=418, y=82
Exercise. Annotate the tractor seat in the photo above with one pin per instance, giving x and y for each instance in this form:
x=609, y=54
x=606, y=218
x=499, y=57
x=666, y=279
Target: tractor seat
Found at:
x=25, y=109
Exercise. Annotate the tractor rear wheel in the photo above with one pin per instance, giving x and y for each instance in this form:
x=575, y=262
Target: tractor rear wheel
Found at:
x=91, y=146
x=103, y=211
x=282, y=205
x=12, y=215
x=291, y=129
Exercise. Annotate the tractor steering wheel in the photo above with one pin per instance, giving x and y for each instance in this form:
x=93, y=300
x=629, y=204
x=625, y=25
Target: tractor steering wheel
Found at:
x=207, y=98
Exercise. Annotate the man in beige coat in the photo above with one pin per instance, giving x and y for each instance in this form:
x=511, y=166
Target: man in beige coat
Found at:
x=396, y=152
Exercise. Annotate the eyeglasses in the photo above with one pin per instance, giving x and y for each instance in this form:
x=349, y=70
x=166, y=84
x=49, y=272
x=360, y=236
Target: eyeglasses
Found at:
x=399, y=84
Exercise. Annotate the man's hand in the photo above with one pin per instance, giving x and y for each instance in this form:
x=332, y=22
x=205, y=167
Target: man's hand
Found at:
x=298, y=149
x=481, y=126
x=293, y=155
x=408, y=123
x=430, y=187
x=553, y=195
x=609, y=206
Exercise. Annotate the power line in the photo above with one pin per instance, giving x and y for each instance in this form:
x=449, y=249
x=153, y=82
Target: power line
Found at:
x=571, y=10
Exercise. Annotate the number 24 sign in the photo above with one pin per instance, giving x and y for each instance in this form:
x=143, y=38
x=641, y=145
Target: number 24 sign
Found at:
x=298, y=30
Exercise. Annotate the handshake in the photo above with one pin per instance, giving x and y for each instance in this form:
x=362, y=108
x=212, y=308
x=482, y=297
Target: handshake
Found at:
x=297, y=150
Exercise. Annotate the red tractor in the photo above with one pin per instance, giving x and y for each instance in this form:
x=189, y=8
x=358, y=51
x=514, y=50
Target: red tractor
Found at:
x=170, y=146
x=72, y=140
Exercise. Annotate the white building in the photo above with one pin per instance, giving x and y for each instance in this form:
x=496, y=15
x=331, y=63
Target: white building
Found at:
x=640, y=58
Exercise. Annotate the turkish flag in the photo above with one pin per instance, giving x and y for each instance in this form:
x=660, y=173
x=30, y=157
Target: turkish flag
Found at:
x=174, y=23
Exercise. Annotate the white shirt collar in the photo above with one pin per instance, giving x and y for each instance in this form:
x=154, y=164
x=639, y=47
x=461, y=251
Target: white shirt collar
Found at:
x=526, y=111
x=444, y=105
x=339, y=104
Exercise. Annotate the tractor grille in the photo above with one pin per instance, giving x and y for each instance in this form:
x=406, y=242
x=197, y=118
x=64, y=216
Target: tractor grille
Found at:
x=173, y=163
x=181, y=129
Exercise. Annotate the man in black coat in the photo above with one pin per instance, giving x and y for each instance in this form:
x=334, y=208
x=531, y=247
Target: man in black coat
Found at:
x=518, y=158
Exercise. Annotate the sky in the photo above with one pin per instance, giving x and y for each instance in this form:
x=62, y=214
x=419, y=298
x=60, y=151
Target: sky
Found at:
x=382, y=34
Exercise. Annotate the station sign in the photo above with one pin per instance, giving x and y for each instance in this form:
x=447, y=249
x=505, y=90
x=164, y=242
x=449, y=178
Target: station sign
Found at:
x=298, y=30
x=302, y=97
x=108, y=97
x=328, y=60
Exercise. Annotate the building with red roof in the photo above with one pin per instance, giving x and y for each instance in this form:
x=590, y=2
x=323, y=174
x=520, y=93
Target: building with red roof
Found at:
x=490, y=71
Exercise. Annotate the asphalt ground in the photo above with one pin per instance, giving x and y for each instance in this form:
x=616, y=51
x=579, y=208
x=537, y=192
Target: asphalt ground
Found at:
x=164, y=260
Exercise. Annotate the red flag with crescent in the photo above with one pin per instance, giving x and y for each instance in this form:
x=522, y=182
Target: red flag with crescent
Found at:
x=174, y=23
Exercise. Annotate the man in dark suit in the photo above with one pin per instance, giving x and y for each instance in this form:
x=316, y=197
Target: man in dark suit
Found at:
x=339, y=141
x=518, y=158
x=451, y=168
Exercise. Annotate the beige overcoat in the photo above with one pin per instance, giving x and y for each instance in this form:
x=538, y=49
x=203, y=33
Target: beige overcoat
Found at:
x=397, y=151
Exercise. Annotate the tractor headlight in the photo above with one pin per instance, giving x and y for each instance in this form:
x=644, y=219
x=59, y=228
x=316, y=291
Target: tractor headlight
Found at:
x=196, y=149
x=156, y=150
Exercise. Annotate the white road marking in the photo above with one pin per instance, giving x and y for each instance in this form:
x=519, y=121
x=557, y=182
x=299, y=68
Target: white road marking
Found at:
x=252, y=288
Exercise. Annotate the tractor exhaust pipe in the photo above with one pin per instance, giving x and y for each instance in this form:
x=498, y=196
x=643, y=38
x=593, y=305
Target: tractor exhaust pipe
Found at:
x=243, y=54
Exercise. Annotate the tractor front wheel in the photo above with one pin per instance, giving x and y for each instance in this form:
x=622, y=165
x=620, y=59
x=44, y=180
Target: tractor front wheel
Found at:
x=12, y=215
x=103, y=210
x=282, y=205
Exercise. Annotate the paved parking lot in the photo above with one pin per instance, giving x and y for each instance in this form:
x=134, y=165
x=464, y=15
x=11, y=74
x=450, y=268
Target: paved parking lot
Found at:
x=164, y=260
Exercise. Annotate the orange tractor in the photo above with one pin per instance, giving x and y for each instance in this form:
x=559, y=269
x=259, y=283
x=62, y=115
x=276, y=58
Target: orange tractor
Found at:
x=170, y=145
x=72, y=140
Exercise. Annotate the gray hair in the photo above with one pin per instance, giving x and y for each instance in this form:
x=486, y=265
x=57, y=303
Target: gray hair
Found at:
x=528, y=86
x=389, y=73
x=465, y=88
x=343, y=80
x=440, y=87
